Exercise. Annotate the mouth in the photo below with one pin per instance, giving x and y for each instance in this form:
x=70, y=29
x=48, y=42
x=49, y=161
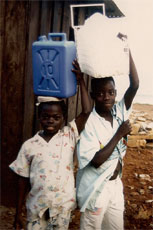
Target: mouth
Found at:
x=107, y=106
x=107, y=103
x=50, y=128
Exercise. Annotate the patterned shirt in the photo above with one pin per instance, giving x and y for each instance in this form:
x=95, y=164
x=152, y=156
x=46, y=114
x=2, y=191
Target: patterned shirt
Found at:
x=49, y=165
x=97, y=133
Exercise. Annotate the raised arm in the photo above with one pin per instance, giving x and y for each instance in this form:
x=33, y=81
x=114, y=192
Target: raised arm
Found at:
x=134, y=84
x=85, y=100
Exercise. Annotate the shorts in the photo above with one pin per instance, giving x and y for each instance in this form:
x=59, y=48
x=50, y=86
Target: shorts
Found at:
x=59, y=222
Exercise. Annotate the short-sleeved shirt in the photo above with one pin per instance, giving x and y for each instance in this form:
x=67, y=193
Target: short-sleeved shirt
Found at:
x=49, y=165
x=97, y=133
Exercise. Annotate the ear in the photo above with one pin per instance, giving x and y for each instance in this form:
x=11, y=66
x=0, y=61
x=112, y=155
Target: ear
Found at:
x=92, y=95
x=39, y=119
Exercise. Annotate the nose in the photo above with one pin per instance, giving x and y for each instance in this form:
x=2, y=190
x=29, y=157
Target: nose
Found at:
x=51, y=120
x=106, y=96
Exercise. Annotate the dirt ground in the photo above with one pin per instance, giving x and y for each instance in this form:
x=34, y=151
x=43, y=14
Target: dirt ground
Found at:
x=138, y=187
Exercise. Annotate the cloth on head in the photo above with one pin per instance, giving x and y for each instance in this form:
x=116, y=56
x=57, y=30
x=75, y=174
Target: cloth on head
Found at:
x=41, y=99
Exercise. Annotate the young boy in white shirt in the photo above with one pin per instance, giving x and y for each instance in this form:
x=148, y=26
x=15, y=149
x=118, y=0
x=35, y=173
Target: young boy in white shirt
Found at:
x=46, y=162
x=101, y=149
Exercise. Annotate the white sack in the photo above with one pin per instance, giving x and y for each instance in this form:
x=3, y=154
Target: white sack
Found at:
x=100, y=52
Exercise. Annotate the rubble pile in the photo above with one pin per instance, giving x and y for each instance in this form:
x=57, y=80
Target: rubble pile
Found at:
x=142, y=130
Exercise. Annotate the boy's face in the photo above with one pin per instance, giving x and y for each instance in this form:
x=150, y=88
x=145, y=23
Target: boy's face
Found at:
x=104, y=96
x=51, y=119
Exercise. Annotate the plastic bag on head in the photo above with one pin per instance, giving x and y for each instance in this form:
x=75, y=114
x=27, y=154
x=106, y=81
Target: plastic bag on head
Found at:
x=100, y=52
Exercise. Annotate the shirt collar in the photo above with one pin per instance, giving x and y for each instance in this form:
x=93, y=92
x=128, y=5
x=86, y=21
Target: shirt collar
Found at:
x=113, y=112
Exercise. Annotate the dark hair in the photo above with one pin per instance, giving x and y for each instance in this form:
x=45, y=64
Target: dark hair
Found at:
x=60, y=103
x=95, y=82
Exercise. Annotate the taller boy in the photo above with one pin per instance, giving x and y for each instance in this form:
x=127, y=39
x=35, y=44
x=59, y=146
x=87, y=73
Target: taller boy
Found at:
x=100, y=153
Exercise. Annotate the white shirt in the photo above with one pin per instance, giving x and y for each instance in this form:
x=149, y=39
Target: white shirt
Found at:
x=97, y=133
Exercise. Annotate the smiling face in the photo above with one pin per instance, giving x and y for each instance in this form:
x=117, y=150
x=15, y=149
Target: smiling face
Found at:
x=104, y=95
x=51, y=118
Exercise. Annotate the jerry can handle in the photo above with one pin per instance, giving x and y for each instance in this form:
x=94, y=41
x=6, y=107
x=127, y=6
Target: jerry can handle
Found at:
x=42, y=38
x=53, y=35
x=84, y=5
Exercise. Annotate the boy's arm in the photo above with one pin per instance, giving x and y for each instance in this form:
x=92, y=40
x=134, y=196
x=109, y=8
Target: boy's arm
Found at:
x=23, y=185
x=85, y=100
x=102, y=155
x=134, y=84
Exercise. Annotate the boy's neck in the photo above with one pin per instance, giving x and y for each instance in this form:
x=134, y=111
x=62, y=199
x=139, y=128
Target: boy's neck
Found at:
x=46, y=136
x=106, y=114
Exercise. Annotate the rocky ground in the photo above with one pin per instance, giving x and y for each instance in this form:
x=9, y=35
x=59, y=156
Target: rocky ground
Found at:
x=137, y=176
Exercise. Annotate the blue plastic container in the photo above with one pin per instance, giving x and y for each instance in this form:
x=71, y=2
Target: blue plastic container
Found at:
x=52, y=66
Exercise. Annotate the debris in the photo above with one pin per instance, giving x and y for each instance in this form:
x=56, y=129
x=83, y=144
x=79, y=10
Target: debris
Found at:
x=150, y=187
x=145, y=177
x=142, y=191
x=135, y=128
x=143, y=214
x=134, y=206
x=149, y=145
x=136, y=143
x=149, y=201
x=141, y=119
x=134, y=193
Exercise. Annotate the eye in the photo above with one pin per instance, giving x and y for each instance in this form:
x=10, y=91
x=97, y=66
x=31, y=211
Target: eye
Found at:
x=111, y=92
x=58, y=117
x=99, y=94
x=44, y=116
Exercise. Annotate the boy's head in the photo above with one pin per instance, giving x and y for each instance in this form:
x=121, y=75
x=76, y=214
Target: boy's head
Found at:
x=103, y=92
x=52, y=115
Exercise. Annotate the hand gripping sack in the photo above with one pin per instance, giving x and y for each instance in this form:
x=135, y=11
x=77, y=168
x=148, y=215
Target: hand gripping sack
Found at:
x=100, y=52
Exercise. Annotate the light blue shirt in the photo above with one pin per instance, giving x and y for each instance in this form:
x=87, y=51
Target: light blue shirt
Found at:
x=97, y=133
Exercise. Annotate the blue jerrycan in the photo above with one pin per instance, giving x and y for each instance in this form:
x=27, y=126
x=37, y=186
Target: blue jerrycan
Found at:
x=52, y=66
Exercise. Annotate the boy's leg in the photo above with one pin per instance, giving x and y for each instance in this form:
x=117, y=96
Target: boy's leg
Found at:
x=61, y=221
x=39, y=224
x=92, y=220
x=113, y=219
x=109, y=216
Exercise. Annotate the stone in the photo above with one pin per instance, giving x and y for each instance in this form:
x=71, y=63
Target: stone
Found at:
x=128, y=202
x=136, y=143
x=150, y=187
x=143, y=214
x=149, y=145
x=145, y=177
x=148, y=136
x=133, y=206
x=134, y=193
x=143, y=182
x=135, y=128
x=141, y=119
x=142, y=132
x=149, y=201
x=131, y=187
x=136, y=174
x=149, y=126
x=142, y=191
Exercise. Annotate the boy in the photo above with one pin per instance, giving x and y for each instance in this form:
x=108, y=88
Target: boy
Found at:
x=101, y=149
x=46, y=162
